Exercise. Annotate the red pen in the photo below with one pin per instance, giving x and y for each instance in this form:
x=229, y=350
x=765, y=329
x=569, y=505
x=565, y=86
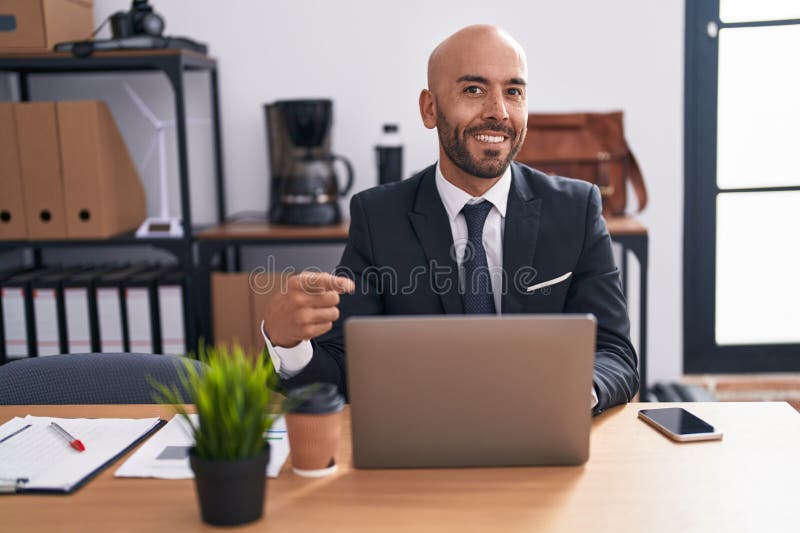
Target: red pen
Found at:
x=75, y=443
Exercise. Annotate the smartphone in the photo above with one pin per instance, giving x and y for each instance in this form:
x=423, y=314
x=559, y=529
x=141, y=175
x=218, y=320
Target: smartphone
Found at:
x=679, y=424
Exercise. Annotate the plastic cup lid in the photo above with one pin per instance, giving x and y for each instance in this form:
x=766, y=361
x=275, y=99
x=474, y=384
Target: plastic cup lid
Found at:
x=317, y=398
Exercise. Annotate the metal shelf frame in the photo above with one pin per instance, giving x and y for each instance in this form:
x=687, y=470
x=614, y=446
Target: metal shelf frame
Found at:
x=173, y=64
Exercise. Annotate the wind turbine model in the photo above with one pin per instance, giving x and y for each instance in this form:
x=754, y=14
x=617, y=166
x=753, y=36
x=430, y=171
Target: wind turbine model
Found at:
x=163, y=225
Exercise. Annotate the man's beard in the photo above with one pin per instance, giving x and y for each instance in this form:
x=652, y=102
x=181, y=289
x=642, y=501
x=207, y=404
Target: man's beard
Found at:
x=454, y=142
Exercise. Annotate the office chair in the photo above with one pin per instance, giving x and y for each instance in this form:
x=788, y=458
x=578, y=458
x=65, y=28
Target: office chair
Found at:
x=95, y=378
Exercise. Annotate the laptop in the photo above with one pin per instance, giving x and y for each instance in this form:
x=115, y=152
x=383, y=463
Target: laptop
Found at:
x=463, y=391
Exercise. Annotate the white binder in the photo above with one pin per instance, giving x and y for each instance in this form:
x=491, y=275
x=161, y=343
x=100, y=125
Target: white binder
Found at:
x=14, y=323
x=76, y=303
x=108, y=311
x=140, y=334
x=46, y=318
x=170, y=303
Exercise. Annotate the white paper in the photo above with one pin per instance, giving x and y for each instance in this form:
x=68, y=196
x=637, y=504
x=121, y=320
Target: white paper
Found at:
x=46, y=459
x=176, y=437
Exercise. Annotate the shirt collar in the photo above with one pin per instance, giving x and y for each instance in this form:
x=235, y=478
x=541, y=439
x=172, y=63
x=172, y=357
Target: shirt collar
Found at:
x=454, y=199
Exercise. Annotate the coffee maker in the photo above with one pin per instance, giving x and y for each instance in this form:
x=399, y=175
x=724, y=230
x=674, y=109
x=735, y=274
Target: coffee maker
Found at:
x=304, y=187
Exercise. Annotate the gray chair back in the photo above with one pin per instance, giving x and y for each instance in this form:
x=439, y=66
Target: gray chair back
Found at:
x=94, y=378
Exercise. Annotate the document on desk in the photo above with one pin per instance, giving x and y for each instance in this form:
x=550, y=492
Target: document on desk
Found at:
x=166, y=455
x=36, y=457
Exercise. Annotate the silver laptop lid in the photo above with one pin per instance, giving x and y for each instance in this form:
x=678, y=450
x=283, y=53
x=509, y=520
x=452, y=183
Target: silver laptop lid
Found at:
x=452, y=391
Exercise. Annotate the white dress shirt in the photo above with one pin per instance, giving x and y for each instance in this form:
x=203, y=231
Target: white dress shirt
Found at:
x=290, y=361
x=454, y=199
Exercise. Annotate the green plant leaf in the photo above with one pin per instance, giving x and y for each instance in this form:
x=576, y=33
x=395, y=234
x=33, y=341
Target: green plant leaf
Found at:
x=232, y=397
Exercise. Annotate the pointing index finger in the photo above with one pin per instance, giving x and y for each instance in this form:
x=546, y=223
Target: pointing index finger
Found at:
x=320, y=281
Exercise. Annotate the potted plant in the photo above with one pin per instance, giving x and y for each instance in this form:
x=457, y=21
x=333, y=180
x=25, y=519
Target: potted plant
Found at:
x=232, y=398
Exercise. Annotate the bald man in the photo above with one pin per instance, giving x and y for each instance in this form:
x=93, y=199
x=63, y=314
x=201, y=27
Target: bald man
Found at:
x=473, y=233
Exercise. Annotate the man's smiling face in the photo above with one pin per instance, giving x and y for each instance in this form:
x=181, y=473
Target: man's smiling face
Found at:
x=479, y=92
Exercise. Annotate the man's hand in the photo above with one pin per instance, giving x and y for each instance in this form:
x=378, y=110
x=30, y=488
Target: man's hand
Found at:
x=306, y=309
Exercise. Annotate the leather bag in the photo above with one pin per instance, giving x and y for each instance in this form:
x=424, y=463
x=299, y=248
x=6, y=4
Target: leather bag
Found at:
x=586, y=146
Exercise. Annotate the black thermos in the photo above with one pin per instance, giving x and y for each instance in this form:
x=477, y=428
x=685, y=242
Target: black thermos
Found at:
x=389, y=151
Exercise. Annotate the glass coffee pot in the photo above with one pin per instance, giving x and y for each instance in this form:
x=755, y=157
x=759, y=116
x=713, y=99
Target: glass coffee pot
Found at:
x=309, y=188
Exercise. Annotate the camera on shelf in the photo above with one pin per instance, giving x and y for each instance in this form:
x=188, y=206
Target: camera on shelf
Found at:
x=140, y=20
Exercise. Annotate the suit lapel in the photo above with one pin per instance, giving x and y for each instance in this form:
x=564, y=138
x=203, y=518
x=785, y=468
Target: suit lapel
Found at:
x=430, y=222
x=520, y=234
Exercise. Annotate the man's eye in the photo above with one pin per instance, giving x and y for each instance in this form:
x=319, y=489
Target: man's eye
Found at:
x=473, y=89
x=515, y=91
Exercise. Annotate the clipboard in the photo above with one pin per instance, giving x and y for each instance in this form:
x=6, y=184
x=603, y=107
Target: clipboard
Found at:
x=128, y=433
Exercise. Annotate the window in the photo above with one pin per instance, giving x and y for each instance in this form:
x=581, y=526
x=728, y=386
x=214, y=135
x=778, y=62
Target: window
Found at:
x=742, y=186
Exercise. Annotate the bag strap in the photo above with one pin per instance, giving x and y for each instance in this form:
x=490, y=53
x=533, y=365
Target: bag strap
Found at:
x=638, y=182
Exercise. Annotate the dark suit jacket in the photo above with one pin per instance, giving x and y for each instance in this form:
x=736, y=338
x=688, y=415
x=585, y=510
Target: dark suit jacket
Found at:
x=553, y=226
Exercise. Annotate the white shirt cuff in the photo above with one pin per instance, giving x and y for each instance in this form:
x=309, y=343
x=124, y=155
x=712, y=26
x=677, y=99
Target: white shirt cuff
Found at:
x=593, y=402
x=288, y=362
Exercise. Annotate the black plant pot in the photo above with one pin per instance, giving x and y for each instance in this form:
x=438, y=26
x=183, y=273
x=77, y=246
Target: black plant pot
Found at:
x=230, y=492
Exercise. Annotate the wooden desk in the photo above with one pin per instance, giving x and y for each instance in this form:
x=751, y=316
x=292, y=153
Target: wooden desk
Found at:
x=636, y=480
x=275, y=233
x=264, y=231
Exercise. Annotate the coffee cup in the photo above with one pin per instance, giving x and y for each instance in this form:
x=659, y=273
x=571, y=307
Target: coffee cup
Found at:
x=314, y=425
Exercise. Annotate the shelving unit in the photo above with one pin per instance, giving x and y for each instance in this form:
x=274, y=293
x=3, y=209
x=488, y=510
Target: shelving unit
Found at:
x=173, y=64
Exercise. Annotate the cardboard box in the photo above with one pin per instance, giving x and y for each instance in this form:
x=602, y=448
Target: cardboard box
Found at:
x=12, y=205
x=75, y=175
x=37, y=25
x=40, y=163
x=103, y=195
x=232, y=310
x=263, y=287
x=238, y=300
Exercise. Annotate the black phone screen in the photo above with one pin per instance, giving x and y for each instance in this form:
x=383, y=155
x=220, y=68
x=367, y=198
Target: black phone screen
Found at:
x=678, y=421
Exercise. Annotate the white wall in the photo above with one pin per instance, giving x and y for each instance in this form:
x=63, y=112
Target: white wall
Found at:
x=370, y=57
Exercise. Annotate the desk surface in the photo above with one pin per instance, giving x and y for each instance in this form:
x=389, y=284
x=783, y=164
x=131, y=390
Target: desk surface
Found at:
x=625, y=225
x=261, y=230
x=264, y=230
x=636, y=480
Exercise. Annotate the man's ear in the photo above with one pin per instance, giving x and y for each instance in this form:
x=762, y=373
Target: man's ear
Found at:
x=427, y=108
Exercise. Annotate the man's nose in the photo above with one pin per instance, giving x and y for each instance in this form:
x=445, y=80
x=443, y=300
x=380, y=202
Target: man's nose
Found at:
x=494, y=107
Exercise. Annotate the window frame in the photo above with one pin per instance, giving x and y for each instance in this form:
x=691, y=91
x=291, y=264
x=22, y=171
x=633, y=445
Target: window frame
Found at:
x=701, y=353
